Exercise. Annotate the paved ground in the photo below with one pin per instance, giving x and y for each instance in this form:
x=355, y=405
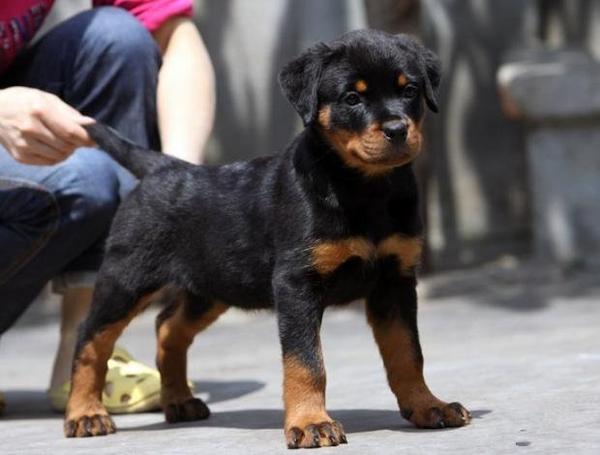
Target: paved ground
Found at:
x=520, y=349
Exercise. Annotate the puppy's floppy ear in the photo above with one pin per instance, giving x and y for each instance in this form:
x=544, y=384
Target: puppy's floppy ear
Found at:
x=430, y=67
x=299, y=80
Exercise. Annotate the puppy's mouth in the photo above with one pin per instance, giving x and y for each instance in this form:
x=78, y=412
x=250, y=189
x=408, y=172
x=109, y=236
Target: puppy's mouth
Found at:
x=379, y=147
x=372, y=151
x=387, y=155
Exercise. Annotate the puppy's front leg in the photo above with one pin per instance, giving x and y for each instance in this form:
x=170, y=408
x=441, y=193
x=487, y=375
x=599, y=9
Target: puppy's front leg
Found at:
x=307, y=423
x=392, y=314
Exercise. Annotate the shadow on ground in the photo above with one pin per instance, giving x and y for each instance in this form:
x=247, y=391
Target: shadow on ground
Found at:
x=33, y=404
x=222, y=391
x=354, y=420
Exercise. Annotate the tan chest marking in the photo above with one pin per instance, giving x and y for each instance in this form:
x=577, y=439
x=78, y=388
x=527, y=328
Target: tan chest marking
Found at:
x=327, y=256
x=407, y=250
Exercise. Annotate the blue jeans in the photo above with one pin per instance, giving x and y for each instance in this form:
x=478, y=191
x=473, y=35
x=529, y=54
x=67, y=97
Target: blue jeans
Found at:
x=55, y=218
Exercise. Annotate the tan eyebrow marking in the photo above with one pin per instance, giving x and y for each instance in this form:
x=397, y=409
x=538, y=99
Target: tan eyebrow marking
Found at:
x=361, y=86
x=402, y=80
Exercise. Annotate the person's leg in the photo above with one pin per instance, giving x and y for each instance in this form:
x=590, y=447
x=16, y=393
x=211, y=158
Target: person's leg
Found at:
x=114, y=65
x=104, y=63
x=49, y=215
x=75, y=305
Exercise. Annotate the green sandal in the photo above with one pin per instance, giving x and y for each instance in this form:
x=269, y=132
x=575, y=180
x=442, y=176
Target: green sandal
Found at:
x=130, y=387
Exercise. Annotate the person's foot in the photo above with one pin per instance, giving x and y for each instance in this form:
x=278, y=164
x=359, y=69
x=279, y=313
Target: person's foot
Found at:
x=131, y=387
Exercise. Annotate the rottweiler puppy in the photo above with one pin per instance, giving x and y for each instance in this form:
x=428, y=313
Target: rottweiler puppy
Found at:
x=333, y=219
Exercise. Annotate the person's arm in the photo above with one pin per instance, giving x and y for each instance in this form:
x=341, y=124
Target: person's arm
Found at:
x=186, y=90
x=39, y=128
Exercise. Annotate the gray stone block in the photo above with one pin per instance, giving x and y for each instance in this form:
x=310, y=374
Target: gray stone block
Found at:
x=564, y=166
x=551, y=85
x=557, y=94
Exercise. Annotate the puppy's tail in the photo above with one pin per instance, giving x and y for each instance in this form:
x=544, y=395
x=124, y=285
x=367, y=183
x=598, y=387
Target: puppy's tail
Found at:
x=137, y=160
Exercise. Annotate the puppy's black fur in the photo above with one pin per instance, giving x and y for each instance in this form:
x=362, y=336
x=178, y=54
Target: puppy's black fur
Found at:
x=332, y=219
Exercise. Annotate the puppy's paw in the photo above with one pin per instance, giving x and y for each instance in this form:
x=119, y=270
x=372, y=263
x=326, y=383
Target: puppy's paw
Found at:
x=440, y=415
x=99, y=424
x=186, y=411
x=323, y=434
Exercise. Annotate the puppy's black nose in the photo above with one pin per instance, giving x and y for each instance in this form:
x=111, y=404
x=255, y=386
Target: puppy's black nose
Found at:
x=395, y=130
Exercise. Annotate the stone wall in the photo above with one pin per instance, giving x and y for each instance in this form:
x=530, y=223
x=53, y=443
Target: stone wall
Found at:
x=475, y=178
x=556, y=95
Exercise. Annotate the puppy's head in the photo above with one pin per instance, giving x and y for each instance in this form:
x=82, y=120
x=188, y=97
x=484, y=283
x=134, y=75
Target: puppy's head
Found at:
x=366, y=92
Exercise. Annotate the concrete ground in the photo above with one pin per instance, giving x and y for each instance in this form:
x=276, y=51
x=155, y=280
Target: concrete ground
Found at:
x=519, y=348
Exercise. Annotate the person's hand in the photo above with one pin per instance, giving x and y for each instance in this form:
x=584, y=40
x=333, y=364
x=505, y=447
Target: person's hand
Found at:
x=39, y=128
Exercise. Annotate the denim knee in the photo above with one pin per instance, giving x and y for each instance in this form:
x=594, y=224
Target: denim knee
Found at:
x=55, y=214
x=116, y=74
x=117, y=32
x=90, y=193
x=30, y=210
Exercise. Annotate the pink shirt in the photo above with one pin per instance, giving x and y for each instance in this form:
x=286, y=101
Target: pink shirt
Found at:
x=21, y=19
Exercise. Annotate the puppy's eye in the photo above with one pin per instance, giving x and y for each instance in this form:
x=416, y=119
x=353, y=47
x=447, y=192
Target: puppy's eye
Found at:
x=410, y=91
x=352, y=99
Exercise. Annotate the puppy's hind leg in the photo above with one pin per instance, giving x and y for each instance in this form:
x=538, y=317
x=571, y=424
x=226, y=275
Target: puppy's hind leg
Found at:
x=113, y=307
x=176, y=327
